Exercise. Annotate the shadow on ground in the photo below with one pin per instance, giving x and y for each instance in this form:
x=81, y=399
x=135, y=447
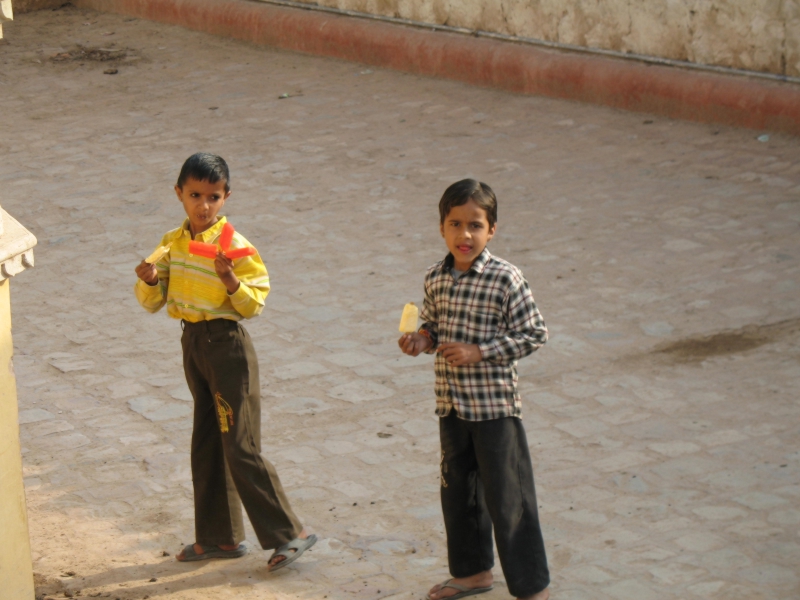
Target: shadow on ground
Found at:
x=698, y=348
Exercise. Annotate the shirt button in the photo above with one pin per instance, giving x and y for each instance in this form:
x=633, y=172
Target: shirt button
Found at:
x=449, y=313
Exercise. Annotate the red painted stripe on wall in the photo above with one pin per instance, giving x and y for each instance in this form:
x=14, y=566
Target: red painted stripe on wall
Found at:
x=667, y=91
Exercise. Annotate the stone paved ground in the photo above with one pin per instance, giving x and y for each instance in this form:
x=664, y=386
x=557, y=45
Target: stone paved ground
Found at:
x=662, y=415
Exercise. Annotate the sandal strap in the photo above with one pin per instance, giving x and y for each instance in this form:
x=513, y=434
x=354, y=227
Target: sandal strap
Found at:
x=295, y=545
x=456, y=586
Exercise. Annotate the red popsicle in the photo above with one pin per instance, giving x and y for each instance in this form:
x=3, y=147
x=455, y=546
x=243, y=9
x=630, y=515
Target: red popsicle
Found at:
x=240, y=252
x=226, y=237
x=203, y=249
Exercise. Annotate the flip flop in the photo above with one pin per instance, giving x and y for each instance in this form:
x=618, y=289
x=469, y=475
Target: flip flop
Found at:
x=190, y=555
x=299, y=545
x=463, y=591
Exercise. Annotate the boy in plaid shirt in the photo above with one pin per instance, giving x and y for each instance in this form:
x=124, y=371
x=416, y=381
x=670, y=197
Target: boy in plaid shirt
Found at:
x=479, y=318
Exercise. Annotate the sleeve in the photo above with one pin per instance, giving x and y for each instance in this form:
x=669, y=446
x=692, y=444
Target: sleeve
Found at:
x=253, y=278
x=153, y=297
x=429, y=316
x=525, y=332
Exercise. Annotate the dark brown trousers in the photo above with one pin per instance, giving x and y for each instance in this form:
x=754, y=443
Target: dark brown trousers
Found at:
x=227, y=467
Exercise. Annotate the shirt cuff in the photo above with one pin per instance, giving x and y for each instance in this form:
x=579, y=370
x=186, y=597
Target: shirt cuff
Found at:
x=240, y=296
x=433, y=337
x=150, y=289
x=490, y=350
x=245, y=302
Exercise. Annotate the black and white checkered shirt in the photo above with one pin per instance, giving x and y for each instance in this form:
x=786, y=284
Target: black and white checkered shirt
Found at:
x=490, y=305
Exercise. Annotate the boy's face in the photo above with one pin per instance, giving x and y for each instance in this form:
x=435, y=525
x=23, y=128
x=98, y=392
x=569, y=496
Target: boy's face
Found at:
x=202, y=201
x=466, y=232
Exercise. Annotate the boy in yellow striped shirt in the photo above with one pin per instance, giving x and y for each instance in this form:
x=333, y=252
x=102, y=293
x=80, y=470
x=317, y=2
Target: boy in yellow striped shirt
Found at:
x=210, y=297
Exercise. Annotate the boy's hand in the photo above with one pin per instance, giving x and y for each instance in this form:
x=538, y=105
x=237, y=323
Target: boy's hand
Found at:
x=457, y=354
x=224, y=268
x=414, y=343
x=147, y=273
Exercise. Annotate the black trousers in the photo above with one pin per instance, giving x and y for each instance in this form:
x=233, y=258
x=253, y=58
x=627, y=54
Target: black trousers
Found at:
x=228, y=470
x=487, y=479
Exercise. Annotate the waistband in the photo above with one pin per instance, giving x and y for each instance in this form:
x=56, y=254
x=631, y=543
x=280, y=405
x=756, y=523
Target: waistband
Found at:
x=213, y=325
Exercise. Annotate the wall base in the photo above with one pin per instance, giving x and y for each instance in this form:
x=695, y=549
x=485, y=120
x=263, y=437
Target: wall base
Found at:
x=671, y=92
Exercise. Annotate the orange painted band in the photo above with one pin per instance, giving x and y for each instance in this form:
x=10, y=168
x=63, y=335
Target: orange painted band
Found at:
x=667, y=91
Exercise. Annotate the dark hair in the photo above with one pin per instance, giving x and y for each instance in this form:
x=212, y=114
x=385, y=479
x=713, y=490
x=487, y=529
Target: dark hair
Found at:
x=465, y=190
x=205, y=167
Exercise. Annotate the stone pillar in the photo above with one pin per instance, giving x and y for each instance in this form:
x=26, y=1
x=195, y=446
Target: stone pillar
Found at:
x=16, y=569
x=5, y=14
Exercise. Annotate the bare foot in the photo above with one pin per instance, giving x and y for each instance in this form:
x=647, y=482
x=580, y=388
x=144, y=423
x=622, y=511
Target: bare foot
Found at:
x=278, y=559
x=479, y=580
x=543, y=595
x=198, y=549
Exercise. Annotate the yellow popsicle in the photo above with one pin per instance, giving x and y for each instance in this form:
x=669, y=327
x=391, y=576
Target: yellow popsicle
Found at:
x=408, y=322
x=157, y=254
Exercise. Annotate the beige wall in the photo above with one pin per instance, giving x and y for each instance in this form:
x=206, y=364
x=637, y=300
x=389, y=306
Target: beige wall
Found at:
x=6, y=14
x=760, y=35
x=16, y=575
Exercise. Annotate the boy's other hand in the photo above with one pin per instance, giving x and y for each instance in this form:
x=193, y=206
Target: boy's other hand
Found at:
x=414, y=343
x=147, y=273
x=457, y=354
x=224, y=268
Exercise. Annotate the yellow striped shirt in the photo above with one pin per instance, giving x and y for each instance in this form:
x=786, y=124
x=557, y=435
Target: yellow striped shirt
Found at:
x=190, y=287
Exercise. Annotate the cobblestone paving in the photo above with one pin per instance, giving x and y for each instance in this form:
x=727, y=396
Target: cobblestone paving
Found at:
x=665, y=257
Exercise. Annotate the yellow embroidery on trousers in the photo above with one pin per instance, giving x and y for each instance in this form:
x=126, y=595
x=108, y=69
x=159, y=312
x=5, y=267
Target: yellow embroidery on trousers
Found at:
x=224, y=412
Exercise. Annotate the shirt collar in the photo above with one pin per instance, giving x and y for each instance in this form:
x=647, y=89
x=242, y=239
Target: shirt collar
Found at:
x=478, y=265
x=209, y=234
